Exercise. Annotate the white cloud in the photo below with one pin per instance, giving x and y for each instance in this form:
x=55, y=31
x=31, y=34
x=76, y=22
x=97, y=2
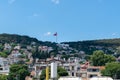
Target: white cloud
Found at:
x=47, y=34
x=11, y=1
x=56, y=1
x=114, y=34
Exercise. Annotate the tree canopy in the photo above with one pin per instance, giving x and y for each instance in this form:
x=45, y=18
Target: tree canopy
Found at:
x=3, y=77
x=18, y=71
x=112, y=70
x=99, y=58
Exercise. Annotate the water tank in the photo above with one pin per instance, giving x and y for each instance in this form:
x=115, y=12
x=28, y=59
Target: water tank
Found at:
x=53, y=70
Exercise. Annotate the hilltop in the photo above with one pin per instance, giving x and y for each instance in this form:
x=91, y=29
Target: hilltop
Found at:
x=25, y=46
x=23, y=40
x=108, y=45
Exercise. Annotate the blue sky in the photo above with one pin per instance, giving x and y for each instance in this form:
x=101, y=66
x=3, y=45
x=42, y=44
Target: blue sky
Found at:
x=74, y=20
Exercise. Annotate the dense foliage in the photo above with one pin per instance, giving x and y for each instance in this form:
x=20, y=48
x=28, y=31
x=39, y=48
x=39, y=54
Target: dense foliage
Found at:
x=62, y=72
x=99, y=58
x=25, y=40
x=107, y=45
x=3, y=77
x=18, y=72
x=112, y=70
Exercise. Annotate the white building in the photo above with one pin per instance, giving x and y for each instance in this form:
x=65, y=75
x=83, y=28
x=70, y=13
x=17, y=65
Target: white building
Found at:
x=18, y=47
x=14, y=57
x=7, y=46
x=4, y=66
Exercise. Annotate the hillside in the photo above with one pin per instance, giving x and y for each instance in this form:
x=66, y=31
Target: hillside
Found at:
x=25, y=46
x=22, y=39
x=107, y=45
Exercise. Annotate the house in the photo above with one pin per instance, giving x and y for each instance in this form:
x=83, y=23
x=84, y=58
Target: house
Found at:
x=7, y=47
x=41, y=64
x=93, y=71
x=45, y=48
x=64, y=46
x=18, y=47
x=14, y=57
x=88, y=71
x=73, y=68
x=4, y=66
x=29, y=48
x=28, y=54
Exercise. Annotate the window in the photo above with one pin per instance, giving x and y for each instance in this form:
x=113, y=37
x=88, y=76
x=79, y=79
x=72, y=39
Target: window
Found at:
x=72, y=67
x=1, y=69
x=72, y=73
x=78, y=68
x=6, y=68
x=93, y=70
x=90, y=76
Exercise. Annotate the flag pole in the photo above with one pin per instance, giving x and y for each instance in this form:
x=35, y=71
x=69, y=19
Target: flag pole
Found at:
x=56, y=35
x=56, y=38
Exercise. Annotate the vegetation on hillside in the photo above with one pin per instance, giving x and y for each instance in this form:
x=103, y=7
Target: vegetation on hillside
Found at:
x=107, y=45
x=23, y=39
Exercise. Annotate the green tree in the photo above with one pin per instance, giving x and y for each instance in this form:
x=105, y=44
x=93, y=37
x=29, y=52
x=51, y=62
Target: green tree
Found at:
x=7, y=52
x=99, y=58
x=87, y=57
x=23, y=73
x=1, y=47
x=3, y=77
x=2, y=54
x=53, y=52
x=18, y=71
x=43, y=74
x=112, y=70
x=109, y=58
x=66, y=57
x=61, y=72
x=40, y=54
